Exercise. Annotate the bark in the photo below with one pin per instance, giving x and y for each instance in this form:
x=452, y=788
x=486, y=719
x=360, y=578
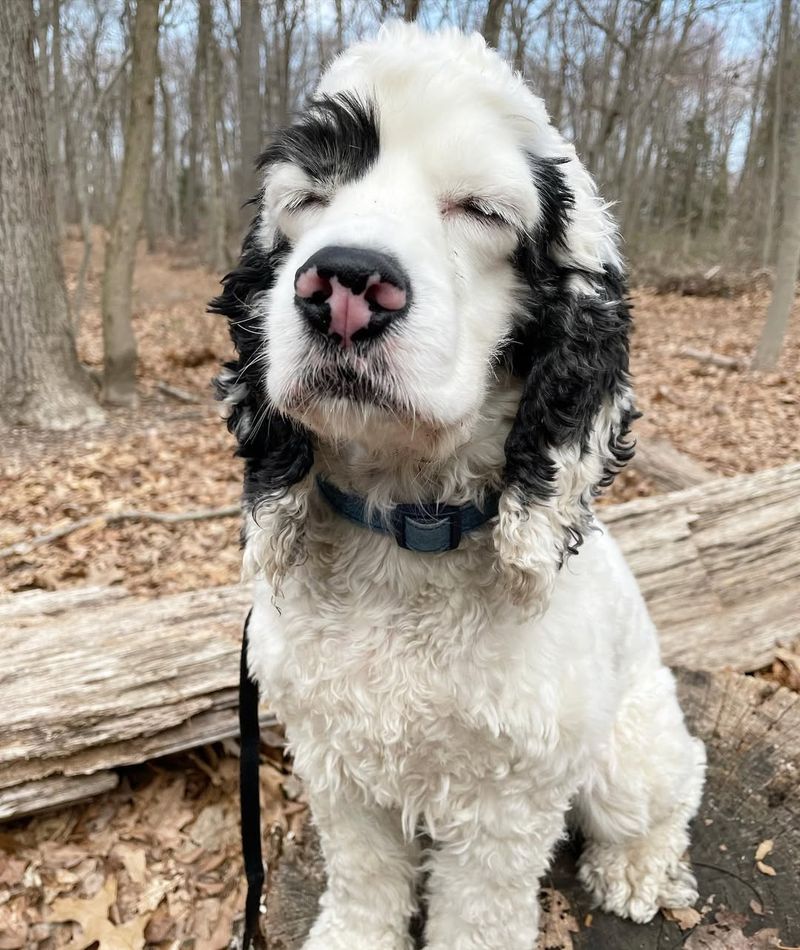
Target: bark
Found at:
x=493, y=22
x=666, y=467
x=777, y=120
x=339, y=9
x=81, y=191
x=41, y=381
x=59, y=113
x=134, y=680
x=119, y=379
x=169, y=196
x=783, y=294
x=249, y=102
x=194, y=138
x=216, y=255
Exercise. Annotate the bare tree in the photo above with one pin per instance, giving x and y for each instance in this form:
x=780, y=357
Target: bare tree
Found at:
x=249, y=99
x=119, y=378
x=783, y=294
x=411, y=10
x=41, y=380
x=493, y=22
x=777, y=118
x=216, y=255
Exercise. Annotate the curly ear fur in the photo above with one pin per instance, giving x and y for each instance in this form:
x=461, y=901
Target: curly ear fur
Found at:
x=568, y=440
x=277, y=452
x=335, y=141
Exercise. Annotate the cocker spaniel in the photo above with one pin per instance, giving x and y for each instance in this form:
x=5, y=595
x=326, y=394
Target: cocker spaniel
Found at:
x=431, y=385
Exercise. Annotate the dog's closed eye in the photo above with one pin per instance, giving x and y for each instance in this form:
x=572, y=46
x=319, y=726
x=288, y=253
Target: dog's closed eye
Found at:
x=477, y=209
x=305, y=201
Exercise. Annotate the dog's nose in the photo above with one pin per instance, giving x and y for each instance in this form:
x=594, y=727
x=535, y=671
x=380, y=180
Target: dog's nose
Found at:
x=350, y=293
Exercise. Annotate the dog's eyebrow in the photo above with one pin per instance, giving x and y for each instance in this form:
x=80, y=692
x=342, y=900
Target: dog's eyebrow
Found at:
x=336, y=140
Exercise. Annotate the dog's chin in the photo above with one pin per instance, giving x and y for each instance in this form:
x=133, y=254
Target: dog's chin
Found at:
x=351, y=410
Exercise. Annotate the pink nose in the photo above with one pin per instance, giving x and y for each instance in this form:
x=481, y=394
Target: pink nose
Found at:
x=351, y=294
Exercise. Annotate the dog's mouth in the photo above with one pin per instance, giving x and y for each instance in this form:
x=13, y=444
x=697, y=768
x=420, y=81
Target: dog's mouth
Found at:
x=365, y=382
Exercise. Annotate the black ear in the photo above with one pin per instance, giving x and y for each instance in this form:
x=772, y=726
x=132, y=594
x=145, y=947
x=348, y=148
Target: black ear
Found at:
x=277, y=451
x=570, y=346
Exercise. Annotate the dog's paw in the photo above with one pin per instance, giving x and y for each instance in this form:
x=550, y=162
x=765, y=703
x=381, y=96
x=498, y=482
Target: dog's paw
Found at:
x=349, y=941
x=331, y=933
x=632, y=881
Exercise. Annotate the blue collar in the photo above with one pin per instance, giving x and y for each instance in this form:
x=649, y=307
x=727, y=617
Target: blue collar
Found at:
x=424, y=528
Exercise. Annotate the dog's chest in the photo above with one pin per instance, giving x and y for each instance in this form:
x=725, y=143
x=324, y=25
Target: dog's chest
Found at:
x=411, y=699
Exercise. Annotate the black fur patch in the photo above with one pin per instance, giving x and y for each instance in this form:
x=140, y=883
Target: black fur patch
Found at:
x=571, y=350
x=556, y=198
x=335, y=141
x=276, y=450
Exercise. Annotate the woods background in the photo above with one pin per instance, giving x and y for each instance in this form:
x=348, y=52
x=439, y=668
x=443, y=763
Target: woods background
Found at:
x=128, y=131
x=680, y=108
x=154, y=113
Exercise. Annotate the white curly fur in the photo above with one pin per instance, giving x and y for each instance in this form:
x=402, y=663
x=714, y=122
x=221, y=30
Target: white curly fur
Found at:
x=481, y=693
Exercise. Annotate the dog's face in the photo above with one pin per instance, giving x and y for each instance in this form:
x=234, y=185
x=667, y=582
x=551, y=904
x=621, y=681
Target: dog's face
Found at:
x=398, y=290
x=422, y=230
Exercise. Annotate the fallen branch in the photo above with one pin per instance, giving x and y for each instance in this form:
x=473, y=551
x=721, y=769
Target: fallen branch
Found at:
x=666, y=467
x=115, y=517
x=182, y=395
x=715, y=359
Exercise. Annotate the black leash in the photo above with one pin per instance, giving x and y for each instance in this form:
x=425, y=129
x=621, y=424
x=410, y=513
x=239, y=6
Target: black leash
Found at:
x=249, y=799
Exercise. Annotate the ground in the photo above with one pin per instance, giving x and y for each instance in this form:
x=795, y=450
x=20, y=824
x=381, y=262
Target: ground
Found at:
x=167, y=838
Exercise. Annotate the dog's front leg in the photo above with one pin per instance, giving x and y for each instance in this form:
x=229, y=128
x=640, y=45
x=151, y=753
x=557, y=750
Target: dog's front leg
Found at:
x=484, y=885
x=371, y=877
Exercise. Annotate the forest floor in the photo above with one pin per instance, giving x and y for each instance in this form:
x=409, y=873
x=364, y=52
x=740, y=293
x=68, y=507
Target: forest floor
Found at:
x=157, y=859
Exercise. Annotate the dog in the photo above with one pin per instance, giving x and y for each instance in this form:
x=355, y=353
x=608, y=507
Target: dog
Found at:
x=431, y=384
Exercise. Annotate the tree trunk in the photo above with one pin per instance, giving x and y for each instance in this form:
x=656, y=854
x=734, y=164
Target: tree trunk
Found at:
x=249, y=102
x=493, y=22
x=170, y=210
x=216, y=256
x=777, y=116
x=41, y=381
x=410, y=10
x=192, y=191
x=59, y=117
x=780, y=307
x=119, y=379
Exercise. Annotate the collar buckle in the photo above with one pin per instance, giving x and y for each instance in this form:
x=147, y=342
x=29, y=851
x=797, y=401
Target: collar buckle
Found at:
x=428, y=532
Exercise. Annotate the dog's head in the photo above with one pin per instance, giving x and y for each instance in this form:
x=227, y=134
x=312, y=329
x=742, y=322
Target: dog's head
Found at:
x=422, y=231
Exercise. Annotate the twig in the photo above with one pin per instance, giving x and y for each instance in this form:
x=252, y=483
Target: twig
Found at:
x=182, y=395
x=727, y=362
x=115, y=517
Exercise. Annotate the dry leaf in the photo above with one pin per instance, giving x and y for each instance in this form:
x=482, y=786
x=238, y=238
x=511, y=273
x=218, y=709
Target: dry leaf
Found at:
x=685, y=917
x=764, y=849
x=726, y=934
x=134, y=861
x=557, y=924
x=92, y=915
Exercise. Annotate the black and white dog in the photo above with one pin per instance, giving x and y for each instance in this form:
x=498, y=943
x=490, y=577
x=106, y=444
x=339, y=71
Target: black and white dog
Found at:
x=431, y=385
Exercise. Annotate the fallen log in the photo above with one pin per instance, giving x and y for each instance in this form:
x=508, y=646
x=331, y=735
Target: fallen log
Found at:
x=712, y=359
x=667, y=468
x=95, y=679
x=752, y=733
x=92, y=681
